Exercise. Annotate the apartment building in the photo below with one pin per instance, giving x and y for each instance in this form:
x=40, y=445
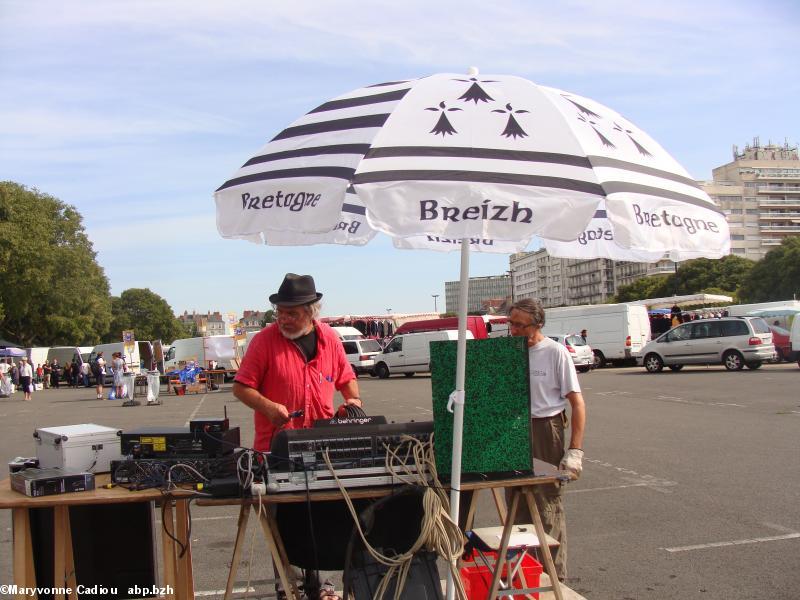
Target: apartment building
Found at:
x=759, y=192
x=482, y=291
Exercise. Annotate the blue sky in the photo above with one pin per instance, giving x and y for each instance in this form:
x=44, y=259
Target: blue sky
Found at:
x=134, y=112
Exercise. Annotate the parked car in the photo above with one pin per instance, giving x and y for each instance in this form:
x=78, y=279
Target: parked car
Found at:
x=410, y=353
x=783, y=344
x=579, y=350
x=361, y=354
x=730, y=341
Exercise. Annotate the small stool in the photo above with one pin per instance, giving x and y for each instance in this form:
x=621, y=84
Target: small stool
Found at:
x=523, y=537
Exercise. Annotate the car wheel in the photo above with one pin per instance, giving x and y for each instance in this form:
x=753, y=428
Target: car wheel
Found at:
x=583, y=369
x=675, y=367
x=409, y=374
x=754, y=365
x=653, y=363
x=599, y=359
x=381, y=370
x=733, y=361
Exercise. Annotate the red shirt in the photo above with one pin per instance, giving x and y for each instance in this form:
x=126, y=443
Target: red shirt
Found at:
x=277, y=368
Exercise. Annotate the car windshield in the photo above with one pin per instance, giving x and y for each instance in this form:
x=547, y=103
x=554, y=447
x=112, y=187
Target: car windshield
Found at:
x=760, y=326
x=370, y=346
x=575, y=340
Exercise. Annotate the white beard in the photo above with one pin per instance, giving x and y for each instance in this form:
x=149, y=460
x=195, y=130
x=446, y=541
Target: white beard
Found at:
x=293, y=336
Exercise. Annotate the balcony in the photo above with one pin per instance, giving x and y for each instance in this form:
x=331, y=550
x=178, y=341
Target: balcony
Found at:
x=779, y=202
x=777, y=215
x=765, y=189
x=781, y=228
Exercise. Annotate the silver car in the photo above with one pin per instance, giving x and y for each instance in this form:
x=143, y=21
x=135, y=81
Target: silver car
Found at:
x=579, y=350
x=730, y=341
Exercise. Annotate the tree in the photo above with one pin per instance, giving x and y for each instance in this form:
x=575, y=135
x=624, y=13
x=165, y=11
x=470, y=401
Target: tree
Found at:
x=698, y=276
x=269, y=317
x=647, y=287
x=147, y=314
x=53, y=292
x=776, y=276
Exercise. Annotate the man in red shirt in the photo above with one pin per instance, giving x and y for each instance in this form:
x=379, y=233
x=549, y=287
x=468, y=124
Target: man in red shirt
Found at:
x=289, y=375
x=293, y=365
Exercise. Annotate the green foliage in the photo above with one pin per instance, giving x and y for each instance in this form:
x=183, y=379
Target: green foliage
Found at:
x=269, y=317
x=147, y=314
x=647, y=287
x=53, y=291
x=700, y=275
x=776, y=276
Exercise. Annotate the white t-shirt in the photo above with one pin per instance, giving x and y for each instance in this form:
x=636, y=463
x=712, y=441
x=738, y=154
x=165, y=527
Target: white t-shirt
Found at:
x=4, y=368
x=26, y=370
x=552, y=375
x=85, y=368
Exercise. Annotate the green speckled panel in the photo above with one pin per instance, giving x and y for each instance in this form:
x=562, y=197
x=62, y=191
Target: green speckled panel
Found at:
x=497, y=413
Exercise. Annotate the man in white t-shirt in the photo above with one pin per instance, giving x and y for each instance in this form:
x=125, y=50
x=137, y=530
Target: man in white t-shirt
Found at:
x=554, y=384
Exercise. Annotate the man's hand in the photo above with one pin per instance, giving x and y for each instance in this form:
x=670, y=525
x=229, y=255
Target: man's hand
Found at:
x=572, y=461
x=277, y=414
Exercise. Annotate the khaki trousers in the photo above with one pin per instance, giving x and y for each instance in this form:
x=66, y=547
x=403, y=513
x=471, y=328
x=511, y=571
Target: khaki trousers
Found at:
x=548, y=445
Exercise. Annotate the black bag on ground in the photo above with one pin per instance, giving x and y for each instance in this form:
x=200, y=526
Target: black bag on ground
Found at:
x=392, y=526
x=317, y=539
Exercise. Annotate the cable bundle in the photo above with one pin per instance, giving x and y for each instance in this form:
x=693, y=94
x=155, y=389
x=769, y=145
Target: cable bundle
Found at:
x=438, y=532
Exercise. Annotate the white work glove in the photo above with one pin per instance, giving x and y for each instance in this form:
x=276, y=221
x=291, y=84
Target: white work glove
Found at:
x=572, y=461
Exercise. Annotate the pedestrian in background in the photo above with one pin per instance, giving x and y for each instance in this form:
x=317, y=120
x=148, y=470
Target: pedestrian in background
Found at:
x=55, y=374
x=85, y=373
x=118, y=367
x=26, y=377
x=99, y=367
x=48, y=374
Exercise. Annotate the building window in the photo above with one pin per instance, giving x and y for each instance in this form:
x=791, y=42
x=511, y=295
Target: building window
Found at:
x=735, y=236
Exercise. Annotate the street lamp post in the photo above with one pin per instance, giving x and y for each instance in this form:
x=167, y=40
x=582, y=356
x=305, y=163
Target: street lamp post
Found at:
x=435, y=307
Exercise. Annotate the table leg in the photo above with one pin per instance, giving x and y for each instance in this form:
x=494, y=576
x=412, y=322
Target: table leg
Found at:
x=473, y=506
x=70, y=578
x=24, y=572
x=244, y=515
x=60, y=526
x=501, y=552
x=168, y=547
x=269, y=527
x=184, y=575
x=547, y=556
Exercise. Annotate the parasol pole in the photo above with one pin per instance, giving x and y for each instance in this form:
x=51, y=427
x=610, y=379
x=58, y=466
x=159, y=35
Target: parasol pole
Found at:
x=457, y=398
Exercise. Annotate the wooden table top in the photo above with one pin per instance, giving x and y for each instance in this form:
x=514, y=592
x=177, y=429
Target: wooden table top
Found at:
x=10, y=498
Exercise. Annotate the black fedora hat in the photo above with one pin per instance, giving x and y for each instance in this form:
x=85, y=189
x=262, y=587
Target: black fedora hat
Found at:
x=296, y=290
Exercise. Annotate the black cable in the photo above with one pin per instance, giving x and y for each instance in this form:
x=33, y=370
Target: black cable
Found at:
x=168, y=498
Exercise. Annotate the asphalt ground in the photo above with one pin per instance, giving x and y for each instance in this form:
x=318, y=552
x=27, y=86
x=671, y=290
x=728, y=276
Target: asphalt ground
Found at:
x=690, y=485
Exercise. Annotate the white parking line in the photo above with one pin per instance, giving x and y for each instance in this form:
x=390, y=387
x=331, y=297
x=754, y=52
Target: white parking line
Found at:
x=194, y=412
x=611, y=487
x=682, y=401
x=241, y=590
x=774, y=538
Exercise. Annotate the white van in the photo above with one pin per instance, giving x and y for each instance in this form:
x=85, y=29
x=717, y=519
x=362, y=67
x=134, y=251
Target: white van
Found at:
x=66, y=354
x=138, y=361
x=616, y=332
x=794, y=338
x=410, y=353
x=221, y=348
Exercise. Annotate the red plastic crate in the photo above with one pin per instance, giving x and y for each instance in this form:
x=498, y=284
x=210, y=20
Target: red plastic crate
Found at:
x=477, y=577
